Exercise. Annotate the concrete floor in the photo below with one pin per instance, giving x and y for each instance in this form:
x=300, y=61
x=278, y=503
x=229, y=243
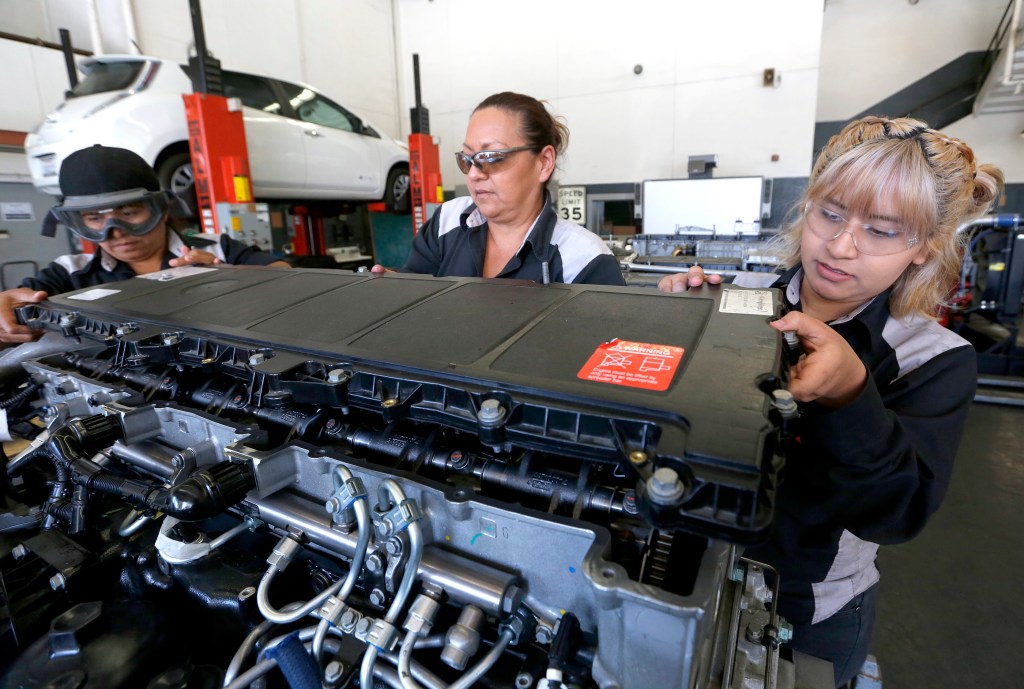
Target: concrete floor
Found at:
x=951, y=609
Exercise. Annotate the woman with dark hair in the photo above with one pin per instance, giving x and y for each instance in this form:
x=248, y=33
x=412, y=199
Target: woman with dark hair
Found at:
x=883, y=389
x=508, y=227
x=112, y=198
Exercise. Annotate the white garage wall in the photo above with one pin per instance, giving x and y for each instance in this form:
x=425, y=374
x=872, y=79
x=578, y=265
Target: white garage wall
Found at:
x=700, y=90
x=343, y=48
x=871, y=49
x=346, y=48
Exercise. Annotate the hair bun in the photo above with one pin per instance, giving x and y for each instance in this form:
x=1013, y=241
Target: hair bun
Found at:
x=988, y=184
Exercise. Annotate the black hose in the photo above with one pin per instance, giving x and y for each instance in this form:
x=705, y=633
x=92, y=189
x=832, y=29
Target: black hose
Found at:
x=15, y=400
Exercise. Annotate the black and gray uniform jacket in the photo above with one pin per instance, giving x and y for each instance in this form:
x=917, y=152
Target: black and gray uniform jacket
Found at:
x=453, y=242
x=874, y=471
x=75, y=271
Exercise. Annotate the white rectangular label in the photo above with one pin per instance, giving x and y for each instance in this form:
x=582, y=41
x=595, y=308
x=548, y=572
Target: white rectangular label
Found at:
x=94, y=294
x=757, y=302
x=17, y=211
x=175, y=273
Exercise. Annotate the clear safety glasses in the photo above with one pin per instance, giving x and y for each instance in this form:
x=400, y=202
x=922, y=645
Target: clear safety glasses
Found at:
x=135, y=213
x=487, y=161
x=876, y=239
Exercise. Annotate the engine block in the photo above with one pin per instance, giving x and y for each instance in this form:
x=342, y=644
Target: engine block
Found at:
x=237, y=476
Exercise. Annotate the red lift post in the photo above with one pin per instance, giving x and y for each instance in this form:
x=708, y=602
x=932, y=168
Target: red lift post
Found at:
x=424, y=164
x=220, y=159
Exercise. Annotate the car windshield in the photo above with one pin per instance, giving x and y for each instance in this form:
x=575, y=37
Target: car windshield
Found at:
x=108, y=76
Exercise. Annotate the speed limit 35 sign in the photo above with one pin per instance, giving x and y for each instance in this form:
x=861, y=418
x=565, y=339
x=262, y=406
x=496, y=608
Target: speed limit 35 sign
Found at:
x=572, y=204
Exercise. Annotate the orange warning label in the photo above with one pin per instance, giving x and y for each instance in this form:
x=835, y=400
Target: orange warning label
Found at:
x=635, y=364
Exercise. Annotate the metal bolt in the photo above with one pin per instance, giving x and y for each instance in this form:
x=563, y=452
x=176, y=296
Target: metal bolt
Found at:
x=491, y=411
x=664, y=486
x=333, y=672
x=374, y=562
x=784, y=402
x=171, y=339
x=348, y=620
x=336, y=375
x=19, y=551
x=543, y=634
x=246, y=593
x=363, y=626
x=393, y=546
x=57, y=581
x=333, y=505
x=754, y=633
x=377, y=597
x=256, y=359
x=785, y=632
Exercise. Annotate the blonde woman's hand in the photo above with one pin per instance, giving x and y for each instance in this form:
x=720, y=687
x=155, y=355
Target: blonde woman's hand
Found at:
x=829, y=372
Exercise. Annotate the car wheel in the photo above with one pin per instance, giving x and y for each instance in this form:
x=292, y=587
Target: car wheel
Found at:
x=175, y=173
x=397, y=194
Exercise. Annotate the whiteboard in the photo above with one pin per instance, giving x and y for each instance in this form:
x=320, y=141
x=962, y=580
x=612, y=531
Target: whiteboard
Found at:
x=725, y=206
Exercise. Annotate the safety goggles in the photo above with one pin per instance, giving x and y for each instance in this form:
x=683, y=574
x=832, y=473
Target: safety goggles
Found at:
x=487, y=161
x=135, y=212
x=876, y=239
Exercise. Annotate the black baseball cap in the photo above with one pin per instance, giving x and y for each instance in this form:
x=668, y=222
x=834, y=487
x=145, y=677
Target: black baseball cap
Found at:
x=105, y=170
x=105, y=177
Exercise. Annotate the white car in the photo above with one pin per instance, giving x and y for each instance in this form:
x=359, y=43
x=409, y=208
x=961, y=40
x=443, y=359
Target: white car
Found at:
x=302, y=145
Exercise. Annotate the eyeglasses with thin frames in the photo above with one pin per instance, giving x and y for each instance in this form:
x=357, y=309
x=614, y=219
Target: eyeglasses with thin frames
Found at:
x=869, y=239
x=487, y=161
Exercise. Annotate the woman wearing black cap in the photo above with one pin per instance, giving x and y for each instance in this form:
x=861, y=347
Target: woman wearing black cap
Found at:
x=112, y=197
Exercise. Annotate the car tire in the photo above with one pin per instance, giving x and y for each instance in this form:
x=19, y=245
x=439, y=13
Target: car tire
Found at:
x=175, y=173
x=397, y=194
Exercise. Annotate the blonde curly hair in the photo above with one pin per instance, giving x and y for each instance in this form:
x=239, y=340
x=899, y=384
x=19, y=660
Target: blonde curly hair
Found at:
x=935, y=182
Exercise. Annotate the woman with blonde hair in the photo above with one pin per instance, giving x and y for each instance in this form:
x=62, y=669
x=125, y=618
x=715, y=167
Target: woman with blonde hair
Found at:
x=883, y=389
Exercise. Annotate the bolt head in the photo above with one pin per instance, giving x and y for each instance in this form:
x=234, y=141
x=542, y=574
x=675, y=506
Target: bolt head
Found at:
x=664, y=486
x=333, y=671
x=491, y=410
x=374, y=562
x=377, y=597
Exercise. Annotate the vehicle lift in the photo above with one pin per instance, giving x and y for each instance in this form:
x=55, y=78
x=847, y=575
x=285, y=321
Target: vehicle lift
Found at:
x=424, y=163
x=220, y=162
x=220, y=157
